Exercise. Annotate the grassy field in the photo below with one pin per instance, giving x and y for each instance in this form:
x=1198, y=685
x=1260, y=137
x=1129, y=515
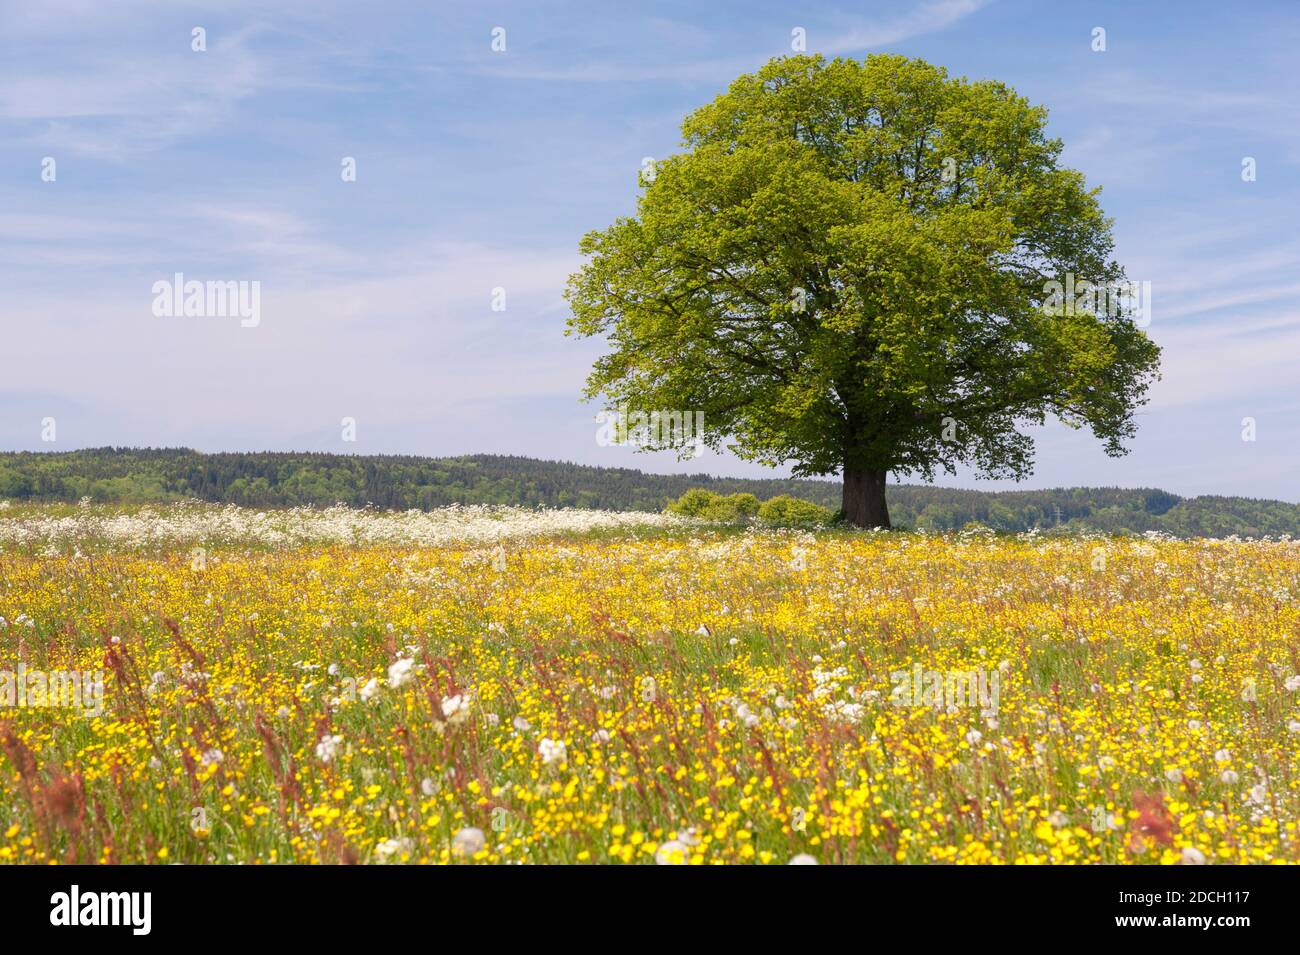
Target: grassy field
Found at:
x=568, y=687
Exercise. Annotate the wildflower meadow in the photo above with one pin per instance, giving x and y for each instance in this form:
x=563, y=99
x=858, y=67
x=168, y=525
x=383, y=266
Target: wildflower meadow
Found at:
x=476, y=686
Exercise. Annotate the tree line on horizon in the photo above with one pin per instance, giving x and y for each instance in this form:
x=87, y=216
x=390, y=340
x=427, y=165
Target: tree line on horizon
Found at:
x=402, y=482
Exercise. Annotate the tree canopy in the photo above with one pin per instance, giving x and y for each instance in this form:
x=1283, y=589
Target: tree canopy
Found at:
x=848, y=268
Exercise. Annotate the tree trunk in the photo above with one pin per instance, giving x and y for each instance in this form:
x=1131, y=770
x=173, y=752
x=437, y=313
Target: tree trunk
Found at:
x=864, y=498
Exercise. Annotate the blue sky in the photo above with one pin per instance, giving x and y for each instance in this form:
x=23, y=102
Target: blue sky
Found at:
x=479, y=169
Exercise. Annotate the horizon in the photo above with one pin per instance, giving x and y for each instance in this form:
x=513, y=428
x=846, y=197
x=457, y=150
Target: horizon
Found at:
x=478, y=170
x=688, y=474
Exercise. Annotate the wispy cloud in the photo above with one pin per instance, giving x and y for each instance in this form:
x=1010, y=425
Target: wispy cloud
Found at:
x=927, y=18
x=827, y=36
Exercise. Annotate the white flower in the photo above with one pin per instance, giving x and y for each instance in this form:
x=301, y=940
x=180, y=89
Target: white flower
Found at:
x=600, y=736
x=1174, y=774
x=521, y=724
x=973, y=737
x=369, y=691
x=212, y=757
x=428, y=787
x=1192, y=856
x=328, y=748
x=552, y=751
x=672, y=852
x=1222, y=756
x=385, y=851
x=802, y=859
x=843, y=712
x=1293, y=683
x=1293, y=726
x=399, y=674
x=1229, y=777
x=468, y=842
x=688, y=836
x=455, y=709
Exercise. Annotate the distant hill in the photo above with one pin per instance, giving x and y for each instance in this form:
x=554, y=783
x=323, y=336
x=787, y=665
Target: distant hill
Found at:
x=286, y=479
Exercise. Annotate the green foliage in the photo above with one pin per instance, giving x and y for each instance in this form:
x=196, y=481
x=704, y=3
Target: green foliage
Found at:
x=733, y=507
x=709, y=506
x=288, y=479
x=694, y=502
x=847, y=260
x=791, y=512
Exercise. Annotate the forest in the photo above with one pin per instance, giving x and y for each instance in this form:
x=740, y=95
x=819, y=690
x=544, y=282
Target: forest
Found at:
x=398, y=482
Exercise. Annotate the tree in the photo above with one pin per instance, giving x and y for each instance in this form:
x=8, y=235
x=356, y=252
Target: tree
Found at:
x=848, y=269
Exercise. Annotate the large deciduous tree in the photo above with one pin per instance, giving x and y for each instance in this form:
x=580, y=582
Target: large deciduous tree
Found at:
x=849, y=268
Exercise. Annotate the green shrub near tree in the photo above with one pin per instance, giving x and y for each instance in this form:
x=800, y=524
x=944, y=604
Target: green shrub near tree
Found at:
x=782, y=510
x=709, y=506
x=789, y=511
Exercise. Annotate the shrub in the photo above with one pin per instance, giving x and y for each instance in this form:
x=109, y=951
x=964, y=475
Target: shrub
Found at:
x=709, y=506
x=742, y=505
x=791, y=511
x=693, y=503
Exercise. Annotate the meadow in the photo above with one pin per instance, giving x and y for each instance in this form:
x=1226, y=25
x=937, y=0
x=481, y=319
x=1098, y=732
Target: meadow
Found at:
x=476, y=685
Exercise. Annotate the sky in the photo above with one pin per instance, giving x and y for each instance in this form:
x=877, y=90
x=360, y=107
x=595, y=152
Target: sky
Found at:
x=479, y=169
